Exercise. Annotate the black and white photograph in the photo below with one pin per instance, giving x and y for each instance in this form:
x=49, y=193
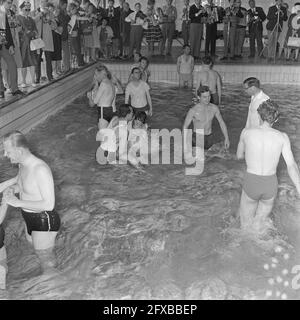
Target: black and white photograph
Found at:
x=150, y=151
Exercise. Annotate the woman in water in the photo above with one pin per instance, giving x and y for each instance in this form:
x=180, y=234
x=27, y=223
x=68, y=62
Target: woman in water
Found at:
x=138, y=91
x=103, y=95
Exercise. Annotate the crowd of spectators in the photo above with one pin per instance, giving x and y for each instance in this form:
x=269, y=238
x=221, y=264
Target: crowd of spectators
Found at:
x=77, y=32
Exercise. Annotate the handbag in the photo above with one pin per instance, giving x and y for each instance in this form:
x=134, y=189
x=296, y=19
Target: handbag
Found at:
x=293, y=42
x=36, y=44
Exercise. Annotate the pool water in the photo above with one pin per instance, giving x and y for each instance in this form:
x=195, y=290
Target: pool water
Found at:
x=156, y=234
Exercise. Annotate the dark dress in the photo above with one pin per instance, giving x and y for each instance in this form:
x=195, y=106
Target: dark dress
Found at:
x=125, y=27
x=26, y=34
x=56, y=54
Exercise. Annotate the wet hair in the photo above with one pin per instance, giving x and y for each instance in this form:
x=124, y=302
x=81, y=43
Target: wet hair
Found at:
x=268, y=111
x=207, y=60
x=17, y=139
x=124, y=110
x=141, y=116
x=202, y=89
x=103, y=67
x=146, y=59
x=252, y=82
x=135, y=68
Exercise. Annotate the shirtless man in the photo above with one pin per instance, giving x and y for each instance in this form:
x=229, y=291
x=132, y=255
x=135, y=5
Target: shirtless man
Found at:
x=202, y=115
x=35, y=186
x=103, y=96
x=252, y=88
x=262, y=147
x=211, y=78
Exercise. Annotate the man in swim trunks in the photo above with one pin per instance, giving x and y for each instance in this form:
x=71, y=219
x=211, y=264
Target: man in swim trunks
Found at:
x=202, y=115
x=103, y=95
x=261, y=147
x=35, y=186
x=210, y=78
x=252, y=88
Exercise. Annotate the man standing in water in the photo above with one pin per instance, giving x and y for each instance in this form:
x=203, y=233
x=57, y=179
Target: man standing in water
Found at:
x=261, y=147
x=202, y=115
x=211, y=78
x=35, y=186
x=252, y=88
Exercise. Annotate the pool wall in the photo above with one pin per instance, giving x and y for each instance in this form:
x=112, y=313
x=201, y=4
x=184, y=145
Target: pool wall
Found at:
x=31, y=110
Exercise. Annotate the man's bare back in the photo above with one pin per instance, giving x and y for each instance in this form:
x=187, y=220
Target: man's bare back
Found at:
x=263, y=147
x=210, y=78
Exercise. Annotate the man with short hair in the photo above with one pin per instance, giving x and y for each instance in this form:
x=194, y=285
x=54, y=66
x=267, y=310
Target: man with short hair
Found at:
x=202, y=115
x=252, y=88
x=262, y=147
x=276, y=14
x=7, y=51
x=211, y=78
x=35, y=186
x=256, y=18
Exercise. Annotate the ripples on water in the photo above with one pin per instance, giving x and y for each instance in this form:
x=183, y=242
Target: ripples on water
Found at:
x=155, y=234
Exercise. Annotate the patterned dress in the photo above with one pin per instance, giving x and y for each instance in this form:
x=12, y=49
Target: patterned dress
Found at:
x=153, y=32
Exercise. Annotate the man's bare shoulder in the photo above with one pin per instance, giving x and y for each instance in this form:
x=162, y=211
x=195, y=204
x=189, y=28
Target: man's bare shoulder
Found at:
x=40, y=166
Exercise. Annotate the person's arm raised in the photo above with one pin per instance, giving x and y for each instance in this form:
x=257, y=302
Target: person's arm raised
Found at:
x=223, y=127
x=291, y=164
x=240, y=152
x=219, y=87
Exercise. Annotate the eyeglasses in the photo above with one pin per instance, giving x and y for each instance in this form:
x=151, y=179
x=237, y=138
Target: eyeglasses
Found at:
x=28, y=10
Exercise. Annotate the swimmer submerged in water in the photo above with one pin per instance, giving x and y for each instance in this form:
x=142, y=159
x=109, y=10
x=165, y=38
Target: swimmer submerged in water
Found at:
x=262, y=147
x=35, y=186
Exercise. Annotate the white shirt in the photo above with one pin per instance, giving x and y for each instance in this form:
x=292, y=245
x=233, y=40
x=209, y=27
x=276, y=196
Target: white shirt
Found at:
x=253, y=119
x=137, y=94
x=131, y=18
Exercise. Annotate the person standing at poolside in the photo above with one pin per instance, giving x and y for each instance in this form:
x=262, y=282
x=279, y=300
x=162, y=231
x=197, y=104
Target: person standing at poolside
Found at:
x=196, y=14
x=137, y=91
x=103, y=96
x=262, y=147
x=211, y=78
x=35, y=186
x=252, y=88
x=202, y=115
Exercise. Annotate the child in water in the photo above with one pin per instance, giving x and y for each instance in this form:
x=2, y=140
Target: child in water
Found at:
x=108, y=148
x=137, y=139
x=185, y=68
x=144, y=64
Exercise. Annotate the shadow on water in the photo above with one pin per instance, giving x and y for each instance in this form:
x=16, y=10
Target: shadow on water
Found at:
x=158, y=233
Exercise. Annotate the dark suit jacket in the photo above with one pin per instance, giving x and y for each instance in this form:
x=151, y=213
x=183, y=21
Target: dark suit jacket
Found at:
x=114, y=22
x=257, y=23
x=272, y=17
x=8, y=36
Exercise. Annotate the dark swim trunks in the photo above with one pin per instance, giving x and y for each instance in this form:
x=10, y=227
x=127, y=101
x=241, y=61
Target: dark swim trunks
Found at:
x=145, y=109
x=41, y=221
x=1, y=236
x=260, y=187
x=107, y=113
x=208, y=141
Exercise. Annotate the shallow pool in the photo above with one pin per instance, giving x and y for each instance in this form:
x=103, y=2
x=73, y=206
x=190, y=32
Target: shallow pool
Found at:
x=159, y=233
